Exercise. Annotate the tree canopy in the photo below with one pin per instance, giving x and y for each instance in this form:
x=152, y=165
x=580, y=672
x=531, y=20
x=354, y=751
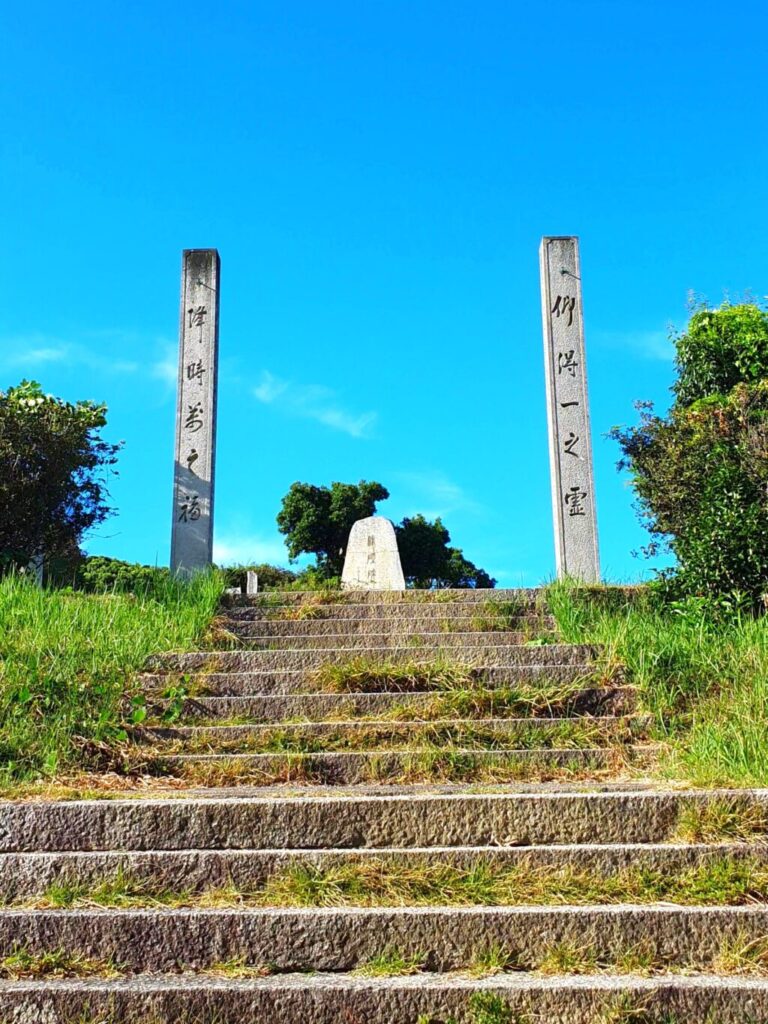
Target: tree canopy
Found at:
x=53, y=468
x=317, y=520
x=701, y=472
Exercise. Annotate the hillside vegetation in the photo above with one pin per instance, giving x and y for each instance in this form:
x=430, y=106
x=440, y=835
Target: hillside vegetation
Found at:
x=703, y=674
x=67, y=660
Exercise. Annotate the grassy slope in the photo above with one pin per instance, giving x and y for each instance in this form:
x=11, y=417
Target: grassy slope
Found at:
x=706, y=682
x=66, y=662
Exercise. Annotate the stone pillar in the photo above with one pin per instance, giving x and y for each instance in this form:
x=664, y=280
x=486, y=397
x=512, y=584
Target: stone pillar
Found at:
x=570, y=446
x=193, y=483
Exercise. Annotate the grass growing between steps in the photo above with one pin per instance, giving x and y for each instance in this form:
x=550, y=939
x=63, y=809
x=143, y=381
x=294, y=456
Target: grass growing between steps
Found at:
x=66, y=666
x=379, y=883
x=704, y=678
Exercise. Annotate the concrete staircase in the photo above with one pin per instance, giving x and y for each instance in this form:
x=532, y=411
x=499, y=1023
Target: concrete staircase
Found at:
x=348, y=785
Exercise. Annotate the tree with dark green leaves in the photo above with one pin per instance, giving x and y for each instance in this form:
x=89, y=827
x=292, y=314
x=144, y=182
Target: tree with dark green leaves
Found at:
x=701, y=472
x=317, y=520
x=428, y=560
x=53, y=470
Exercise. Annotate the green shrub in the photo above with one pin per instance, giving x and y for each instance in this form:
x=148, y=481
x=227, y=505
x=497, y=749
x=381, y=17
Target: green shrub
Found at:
x=701, y=473
x=98, y=575
x=271, y=577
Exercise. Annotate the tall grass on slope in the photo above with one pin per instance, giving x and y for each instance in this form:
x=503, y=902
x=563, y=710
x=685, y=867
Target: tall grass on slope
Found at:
x=704, y=676
x=67, y=662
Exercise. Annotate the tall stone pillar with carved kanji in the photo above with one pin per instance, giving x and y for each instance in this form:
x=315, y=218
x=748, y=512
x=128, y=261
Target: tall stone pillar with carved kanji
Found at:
x=570, y=445
x=193, y=482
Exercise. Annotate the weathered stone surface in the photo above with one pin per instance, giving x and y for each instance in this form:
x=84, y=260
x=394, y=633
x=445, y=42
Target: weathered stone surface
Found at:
x=378, y=734
x=486, y=654
x=332, y=998
x=408, y=818
x=570, y=444
x=288, y=681
x=372, y=561
x=597, y=700
x=448, y=597
x=193, y=482
x=340, y=939
x=27, y=874
x=443, y=640
x=411, y=625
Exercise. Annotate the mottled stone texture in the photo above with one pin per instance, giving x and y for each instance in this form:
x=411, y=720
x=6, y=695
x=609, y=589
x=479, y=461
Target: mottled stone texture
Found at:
x=193, y=481
x=372, y=560
x=332, y=998
x=570, y=446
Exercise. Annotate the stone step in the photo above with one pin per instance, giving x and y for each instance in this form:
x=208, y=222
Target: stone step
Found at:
x=341, y=939
x=351, y=768
x=25, y=875
x=323, y=737
x=390, y=613
x=595, y=700
x=301, y=681
x=403, y=819
x=527, y=626
x=488, y=654
x=521, y=596
x=331, y=998
x=447, y=642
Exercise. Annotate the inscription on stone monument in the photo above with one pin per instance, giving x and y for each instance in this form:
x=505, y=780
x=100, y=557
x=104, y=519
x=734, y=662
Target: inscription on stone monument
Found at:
x=372, y=561
x=193, y=483
x=570, y=446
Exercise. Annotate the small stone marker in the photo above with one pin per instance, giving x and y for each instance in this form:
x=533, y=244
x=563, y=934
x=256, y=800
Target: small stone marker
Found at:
x=372, y=561
x=570, y=446
x=192, y=530
x=251, y=582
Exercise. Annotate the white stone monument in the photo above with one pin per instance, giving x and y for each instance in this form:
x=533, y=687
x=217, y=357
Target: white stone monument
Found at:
x=570, y=446
x=193, y=483
x=372, y=561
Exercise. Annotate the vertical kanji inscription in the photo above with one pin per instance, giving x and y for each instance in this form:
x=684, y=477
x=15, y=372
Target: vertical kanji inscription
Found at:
x=193, y=481
x=570, y=447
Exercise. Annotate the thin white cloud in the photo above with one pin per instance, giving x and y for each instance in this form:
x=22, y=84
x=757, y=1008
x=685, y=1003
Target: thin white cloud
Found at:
x=33, y=350
x=166, y=368
x=245, y=549
x=654, y=345
x=435, y=495
x=313, y=402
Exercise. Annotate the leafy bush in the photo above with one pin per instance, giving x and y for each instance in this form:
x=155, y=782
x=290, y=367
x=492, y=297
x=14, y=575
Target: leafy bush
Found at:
x=271, y=577
x=53, y=468
x=98, y=574
x=701, y=473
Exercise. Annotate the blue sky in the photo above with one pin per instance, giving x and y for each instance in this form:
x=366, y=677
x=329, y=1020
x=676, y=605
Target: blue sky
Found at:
x=376, y=178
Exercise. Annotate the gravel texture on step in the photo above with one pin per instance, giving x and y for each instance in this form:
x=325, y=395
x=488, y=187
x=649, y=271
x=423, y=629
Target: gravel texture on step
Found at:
x=23, y=875
x=598, y=700
x=348, y=999
x=540, y=815
x=340, y=939
x=490, y=654
x=289, y=681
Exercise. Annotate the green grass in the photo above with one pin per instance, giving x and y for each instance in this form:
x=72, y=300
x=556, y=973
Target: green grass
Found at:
x=367, y=675
x=377, y=882
x=21, y=963
x=66, y=667
x=704, y=678
x=392, y=963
